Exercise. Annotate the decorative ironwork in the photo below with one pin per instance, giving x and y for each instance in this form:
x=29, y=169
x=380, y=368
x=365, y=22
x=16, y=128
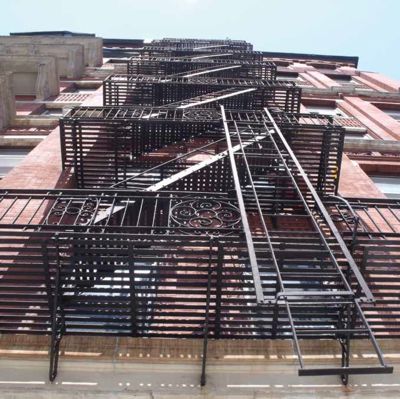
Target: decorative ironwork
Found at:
x=72, y=211
x=198, y=114
x=205, y=214
x=241, y=246
x=343, y=215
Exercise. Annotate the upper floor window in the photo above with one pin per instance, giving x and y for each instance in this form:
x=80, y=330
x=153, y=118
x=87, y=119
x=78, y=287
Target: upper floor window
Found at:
x=389, y=185
x=283, y=63
x=322, y=65
x=325, y=110
x=53, y=112
x=359, y=135
x=11, y=157
x=390, y=109
x=395, y=114
x=291, y=76
x=347, y=80
x=341, y=79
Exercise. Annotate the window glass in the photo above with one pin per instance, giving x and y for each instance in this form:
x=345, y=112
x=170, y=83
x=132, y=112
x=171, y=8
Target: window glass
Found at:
x=325, y=110
x=11, y=157
x=358, y=135
x=392, y=113
x=389, y=185
x=288, y=76
x=53, y=112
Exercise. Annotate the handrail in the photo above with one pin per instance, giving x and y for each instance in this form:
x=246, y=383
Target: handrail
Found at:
x=355, y=217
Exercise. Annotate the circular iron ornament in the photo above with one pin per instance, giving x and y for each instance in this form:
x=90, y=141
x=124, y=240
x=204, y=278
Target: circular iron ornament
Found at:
x=201, y=114
x=202, y=80
x=205, y=216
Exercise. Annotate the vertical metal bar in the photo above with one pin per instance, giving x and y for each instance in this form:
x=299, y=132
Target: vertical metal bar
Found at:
x=218, y=294
x=371, y=335
x=339, y=160
x=207, y=317
x=75, y=154
x=132, y=289
x=363, y=266
x=345, y=343
x=81, y=155
x=105, y=90
x=46, y=267
x=62, y=140
x=116, y=153
x=323, y=162
x=56, y=335
x=294, y=335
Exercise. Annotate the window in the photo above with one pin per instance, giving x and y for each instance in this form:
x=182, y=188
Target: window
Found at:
x=84, y=91
x=325, y=110
x=390, y=109
x=53, y=112
x=358, y=135
x=347, y=80
x=283, y=63
x=291, y=76
x=341, y=79
x=389, y=185
x=11, y=157
x=395, y=114
x=322, y=65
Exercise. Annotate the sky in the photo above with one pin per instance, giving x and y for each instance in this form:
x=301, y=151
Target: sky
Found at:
x=369, y=29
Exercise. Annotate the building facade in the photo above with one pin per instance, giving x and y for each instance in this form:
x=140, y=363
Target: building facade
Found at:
x=194, y=218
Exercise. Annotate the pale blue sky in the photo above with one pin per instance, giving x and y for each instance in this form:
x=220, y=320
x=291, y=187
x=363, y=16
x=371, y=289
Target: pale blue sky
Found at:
x=367, y=28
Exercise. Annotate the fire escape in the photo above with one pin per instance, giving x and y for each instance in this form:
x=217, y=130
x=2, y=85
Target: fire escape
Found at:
x=206, y=207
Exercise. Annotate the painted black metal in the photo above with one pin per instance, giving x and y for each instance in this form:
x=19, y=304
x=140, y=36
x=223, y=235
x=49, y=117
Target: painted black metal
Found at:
x=206, y=216
x=180, y=66
x=149, y=90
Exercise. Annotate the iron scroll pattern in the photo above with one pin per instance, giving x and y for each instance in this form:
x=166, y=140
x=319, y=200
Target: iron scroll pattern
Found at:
x=199, y=114
x=205, y=216
x=72, y=211
x=343, y=216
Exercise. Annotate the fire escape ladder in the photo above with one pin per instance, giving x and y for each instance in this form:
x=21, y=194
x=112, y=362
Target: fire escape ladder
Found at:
x=265, y=169
x=346, y=321
x=325, y=305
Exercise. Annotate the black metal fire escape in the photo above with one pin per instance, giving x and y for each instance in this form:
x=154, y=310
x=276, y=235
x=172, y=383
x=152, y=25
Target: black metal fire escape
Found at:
x=213, y=183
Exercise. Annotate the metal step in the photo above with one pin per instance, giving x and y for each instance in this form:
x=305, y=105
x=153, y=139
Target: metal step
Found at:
x=345, y=371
